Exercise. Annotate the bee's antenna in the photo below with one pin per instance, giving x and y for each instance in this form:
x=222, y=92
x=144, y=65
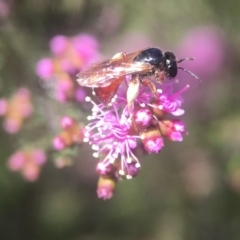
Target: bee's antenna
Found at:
x=185, y=70
x=186, y=59
x=192, y=74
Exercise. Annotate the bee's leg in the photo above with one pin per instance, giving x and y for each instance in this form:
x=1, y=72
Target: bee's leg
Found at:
x=133, y=90
x=159, y=76
x=151, y=85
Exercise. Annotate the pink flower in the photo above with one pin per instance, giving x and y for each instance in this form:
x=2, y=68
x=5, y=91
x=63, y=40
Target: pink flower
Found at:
x=16, y=161
x=67, y=122
x=108, y=134
x=39, y=156
x=153, y=143
x=70, y=56
x=115, y=131
x=87, y=47
x=172, y=129
x=27, y=162
x=206, y=45
x=58, y=44
x=59, y=143
x=143, y=117
x=80, y=94
x=170, y=103
x=11, y=125
x=106, y=187
x=44, y=68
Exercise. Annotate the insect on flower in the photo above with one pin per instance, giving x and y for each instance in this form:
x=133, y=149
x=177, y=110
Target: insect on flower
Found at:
x=143, y=66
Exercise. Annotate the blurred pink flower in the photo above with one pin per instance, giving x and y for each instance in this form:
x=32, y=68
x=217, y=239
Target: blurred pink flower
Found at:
x=58, y=44
x=58, y=143
x=80, y=94
x=16, y=109
x=11, y=126
x=28, y=162
x=44, y=68
x=39, y=156
x=4, y=9
x=206, y=45
x=86, y=46
x=3, y=106
x=70, y=56
x=71, y=133
x=16, y=161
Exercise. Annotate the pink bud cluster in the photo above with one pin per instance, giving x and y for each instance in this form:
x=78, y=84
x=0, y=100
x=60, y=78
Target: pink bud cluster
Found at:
x=27, y=161
x=116, y=132
x=71, y=133
x=15, y=110
x=70, y=56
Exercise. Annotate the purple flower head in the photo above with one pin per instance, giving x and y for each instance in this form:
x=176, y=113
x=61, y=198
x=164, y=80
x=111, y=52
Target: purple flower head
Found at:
x=109, y=135
x=116, y=130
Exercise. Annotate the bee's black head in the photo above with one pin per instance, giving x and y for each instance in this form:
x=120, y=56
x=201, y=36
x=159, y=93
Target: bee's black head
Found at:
x=170, y=67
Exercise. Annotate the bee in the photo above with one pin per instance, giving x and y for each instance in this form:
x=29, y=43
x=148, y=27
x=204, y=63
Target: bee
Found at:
x=143, y=66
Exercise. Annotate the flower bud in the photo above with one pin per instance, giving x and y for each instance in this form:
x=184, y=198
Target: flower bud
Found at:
x=130, y=170
x=157, y=109
x=106, y=187
x=105, y=169
x=143, y=118
x=67, y=122
x=172, y=129
x=152, y=140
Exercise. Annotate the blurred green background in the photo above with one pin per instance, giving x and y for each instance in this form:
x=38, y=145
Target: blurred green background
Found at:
x=190, y=190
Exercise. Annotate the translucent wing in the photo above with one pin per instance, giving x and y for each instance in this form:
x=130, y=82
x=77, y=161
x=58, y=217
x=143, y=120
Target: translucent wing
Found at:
x=102, y=74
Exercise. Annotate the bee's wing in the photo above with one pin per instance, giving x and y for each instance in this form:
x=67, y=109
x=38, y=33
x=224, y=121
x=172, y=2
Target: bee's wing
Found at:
x=101, y=75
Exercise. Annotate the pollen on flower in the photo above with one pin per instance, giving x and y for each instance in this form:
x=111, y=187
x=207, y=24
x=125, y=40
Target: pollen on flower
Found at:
x=137, y=165
x=95, y=147
x=129, y=160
